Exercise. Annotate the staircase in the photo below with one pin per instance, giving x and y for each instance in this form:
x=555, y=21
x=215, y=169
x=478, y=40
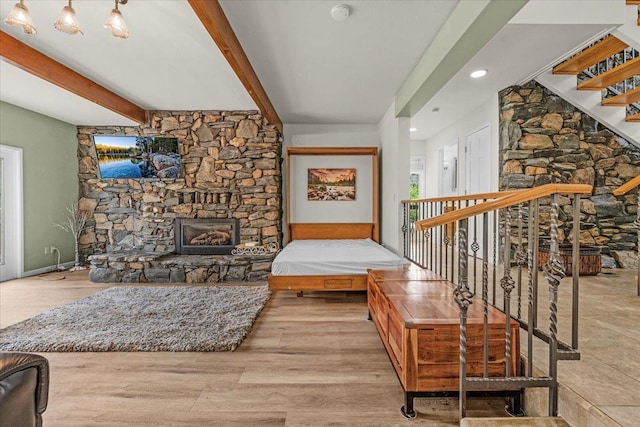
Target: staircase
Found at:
x=604, y=79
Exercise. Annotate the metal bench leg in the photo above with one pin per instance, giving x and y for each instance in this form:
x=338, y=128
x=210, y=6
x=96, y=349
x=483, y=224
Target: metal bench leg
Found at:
x=516, y=409
x=407, y=410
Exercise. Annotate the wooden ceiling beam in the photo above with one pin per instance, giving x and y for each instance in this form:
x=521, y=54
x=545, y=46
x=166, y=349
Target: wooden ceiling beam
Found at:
x=35, y=62
x=217, y=25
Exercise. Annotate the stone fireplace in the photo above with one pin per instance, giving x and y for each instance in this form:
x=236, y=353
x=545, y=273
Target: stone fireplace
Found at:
x=231, y=173
x=206, y=236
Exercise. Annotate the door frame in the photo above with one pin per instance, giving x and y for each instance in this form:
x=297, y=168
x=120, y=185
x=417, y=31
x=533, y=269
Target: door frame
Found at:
x=467, y=177
x=16, y=155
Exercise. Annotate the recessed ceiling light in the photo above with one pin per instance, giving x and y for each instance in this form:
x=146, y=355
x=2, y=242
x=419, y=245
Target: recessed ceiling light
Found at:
x=413, y=129
x=478, y=73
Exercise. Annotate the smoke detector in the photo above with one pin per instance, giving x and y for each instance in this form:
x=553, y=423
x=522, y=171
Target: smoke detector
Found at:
x=340, y=12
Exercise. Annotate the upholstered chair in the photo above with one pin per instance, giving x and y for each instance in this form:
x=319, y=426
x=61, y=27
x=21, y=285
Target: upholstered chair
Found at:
x=24, y=389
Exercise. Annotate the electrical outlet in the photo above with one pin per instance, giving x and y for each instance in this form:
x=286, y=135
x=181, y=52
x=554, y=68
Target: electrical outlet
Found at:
x=52, y=249
x=46, y=250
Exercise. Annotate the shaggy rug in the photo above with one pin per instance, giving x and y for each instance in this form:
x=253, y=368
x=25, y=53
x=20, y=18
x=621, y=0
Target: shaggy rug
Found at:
x=143, y=318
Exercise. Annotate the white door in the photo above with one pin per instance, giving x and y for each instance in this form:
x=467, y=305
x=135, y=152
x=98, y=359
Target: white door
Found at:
x=478, y=161
x=11, y=261
x=478, y=178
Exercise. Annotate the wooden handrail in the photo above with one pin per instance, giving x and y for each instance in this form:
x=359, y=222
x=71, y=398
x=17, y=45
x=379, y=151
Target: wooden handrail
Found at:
x=503, y=202
x=629, y=185
x=478, y=196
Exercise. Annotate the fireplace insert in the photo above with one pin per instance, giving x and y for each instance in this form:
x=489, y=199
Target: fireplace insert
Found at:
x=206, y=236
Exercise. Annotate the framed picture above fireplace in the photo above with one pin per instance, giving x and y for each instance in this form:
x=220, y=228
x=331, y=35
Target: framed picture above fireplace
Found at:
x=137, y=156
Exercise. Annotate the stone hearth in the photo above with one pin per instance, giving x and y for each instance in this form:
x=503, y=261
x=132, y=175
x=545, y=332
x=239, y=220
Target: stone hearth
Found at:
x=142, y=267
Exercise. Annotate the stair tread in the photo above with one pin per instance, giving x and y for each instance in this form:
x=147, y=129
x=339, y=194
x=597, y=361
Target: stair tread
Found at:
x=633, y=2
x=591, y=56
x=633, y=118
x=613, y=76
x=514, y=422
x=624, y=98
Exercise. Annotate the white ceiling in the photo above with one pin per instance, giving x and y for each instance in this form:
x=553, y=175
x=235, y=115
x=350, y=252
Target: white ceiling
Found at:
x=315, y=70
x=525, y=48
x=169, y=61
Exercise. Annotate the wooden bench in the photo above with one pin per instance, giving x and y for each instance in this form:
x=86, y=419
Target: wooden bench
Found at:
x=418, y=320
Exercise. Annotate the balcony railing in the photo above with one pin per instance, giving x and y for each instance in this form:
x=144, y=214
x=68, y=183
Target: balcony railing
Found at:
x=624, y=189
x=466, y=238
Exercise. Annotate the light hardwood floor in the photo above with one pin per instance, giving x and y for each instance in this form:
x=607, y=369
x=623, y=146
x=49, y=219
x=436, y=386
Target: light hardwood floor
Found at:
x=308, y=361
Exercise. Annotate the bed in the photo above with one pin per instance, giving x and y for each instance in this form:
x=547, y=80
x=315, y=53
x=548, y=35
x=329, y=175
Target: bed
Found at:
x=330, y=257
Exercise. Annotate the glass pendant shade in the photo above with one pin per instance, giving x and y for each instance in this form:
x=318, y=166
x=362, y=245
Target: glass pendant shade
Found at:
x=116, y=24
x=19, y=15
x=68, y=22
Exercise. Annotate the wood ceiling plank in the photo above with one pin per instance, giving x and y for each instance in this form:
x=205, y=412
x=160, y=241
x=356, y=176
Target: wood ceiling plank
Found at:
x=613, y=76
x=624, y=98
x=633, y=118
x=217, y=25
x=32, y=61
x=591, y=56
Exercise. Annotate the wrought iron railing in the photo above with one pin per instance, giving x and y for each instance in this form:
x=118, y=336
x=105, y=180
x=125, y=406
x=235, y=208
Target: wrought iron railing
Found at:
x=466, y=245
x=624, y=189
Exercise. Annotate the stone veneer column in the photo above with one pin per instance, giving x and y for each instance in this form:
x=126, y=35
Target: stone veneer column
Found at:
x=544, y=139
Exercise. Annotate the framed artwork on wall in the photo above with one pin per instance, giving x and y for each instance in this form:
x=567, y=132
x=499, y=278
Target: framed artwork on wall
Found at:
x=331, y=184
x=137, y=157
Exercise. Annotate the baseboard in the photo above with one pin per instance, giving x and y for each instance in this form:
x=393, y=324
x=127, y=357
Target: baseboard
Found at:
x=49, y=269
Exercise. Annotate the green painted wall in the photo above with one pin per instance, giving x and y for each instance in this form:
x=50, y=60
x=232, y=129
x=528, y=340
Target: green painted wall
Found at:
x=50, y=179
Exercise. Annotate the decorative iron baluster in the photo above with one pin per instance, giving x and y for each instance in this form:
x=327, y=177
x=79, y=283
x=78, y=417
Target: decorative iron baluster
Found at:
x=553, y=272
x=520, y=258
x=495, y=254
x=507, y=284
x=485, y=292
x=463, y=297
x=405, y=229
x=446, y=254
x=426, y=237
x=532, y=269
x=575, y=259
x=475, y=247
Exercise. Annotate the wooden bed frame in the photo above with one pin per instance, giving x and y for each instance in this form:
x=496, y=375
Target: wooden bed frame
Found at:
x=302, y=231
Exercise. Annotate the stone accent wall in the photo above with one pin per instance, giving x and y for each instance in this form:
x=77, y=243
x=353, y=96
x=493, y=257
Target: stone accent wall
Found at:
x=544, y=139
x=231, y=169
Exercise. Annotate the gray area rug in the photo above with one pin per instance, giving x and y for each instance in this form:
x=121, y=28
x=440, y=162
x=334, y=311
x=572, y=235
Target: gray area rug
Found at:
x=143, y=318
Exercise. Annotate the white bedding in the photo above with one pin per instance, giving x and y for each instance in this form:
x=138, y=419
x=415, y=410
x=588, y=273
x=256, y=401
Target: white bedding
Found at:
x=333, y=257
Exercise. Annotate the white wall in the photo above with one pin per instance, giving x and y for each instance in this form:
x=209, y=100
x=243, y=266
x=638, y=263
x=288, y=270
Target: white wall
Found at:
x=394, y=137
x=358, y=210
x=485, y=114
x=391, y=136
x=332, y=135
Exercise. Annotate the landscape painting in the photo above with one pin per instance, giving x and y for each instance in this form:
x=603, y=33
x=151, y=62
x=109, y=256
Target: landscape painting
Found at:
x=331, y=184
x=137, y=157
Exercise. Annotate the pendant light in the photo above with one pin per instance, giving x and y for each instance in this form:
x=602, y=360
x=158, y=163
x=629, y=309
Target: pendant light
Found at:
x=115, y=22
x=19, y=15
x=68, y=22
